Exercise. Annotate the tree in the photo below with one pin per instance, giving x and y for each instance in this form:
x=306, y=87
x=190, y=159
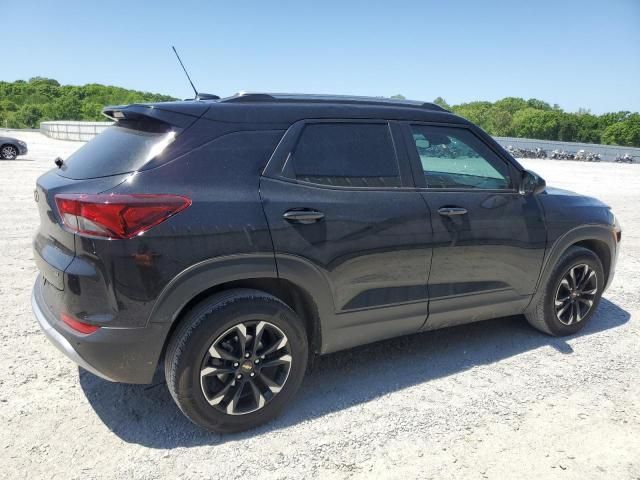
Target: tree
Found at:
x=626, y=133
x=44, y=80
x=7, y=106
x=608, y=119
x=51, y=101
x=398, y=97
x=511, y=104
x=567, y=127
x=476, y=112
x=539, y=104
x=92, y=111
x=442, y=102
x=500, y=121
x=27, y=116
x=534, y=123
x=588, y=127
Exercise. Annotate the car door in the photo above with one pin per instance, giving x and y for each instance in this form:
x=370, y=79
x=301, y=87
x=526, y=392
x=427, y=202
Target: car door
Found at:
x=488, y=240
x=339, y=197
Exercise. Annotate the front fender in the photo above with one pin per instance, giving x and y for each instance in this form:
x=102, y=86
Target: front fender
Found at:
x=601, y=233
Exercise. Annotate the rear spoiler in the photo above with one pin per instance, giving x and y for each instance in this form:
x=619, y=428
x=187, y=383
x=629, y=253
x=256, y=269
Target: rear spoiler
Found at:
x=173, y=114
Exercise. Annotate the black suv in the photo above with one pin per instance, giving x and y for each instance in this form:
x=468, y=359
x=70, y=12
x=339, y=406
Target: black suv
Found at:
x=237, y=238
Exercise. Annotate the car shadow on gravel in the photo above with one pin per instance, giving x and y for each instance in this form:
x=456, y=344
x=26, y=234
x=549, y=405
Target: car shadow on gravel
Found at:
x=147, y=415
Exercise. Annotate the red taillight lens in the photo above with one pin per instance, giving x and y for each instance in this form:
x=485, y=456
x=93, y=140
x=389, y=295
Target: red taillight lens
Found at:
x=77, y=325
x=117, y=216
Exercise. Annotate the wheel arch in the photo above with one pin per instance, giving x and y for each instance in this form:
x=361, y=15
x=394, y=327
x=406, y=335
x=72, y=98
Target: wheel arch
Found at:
x=298, y=287
x=600, y=239
x=601, y=249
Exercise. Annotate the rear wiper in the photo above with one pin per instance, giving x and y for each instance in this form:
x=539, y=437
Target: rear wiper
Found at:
x=59, y=162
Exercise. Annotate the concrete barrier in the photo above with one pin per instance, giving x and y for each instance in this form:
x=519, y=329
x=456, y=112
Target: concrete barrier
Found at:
x=72, y=130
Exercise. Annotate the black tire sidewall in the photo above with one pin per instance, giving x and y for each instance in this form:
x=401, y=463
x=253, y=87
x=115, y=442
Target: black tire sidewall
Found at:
x=210, y=324
x=573, y=258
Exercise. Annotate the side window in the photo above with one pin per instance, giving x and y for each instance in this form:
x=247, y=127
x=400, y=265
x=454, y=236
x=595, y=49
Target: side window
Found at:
x=455, y=158
x=346, y=155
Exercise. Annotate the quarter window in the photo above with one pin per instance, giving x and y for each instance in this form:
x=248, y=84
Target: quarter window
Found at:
x=346, y=155
x=455, y=158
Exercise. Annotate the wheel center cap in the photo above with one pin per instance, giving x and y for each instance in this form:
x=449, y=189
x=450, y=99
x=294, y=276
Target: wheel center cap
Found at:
x=247, y=366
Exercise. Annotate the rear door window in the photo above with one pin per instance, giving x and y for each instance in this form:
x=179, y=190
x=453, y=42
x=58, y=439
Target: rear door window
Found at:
x=346, y=155
x=116, y=150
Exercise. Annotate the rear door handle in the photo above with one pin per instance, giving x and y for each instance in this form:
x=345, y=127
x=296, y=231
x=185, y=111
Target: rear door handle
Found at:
x=452, y=211
x=303, y=217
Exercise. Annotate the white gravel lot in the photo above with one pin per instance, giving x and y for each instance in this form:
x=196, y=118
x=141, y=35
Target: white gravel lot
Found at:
x=490, y=400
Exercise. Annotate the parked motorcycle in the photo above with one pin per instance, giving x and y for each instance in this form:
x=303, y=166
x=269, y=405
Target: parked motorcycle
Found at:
x=526, y=152
x=585, y=156
x=562, y=155
x=626, y=158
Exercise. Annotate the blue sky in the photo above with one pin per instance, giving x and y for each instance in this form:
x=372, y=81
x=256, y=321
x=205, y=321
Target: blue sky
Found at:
x=575, y=53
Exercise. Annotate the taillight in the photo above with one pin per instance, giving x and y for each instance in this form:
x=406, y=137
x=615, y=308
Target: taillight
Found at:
x=77, y=325
x=117, y=215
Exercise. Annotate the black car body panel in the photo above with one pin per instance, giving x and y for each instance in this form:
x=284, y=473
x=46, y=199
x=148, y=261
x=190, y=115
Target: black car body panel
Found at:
x=379, y=261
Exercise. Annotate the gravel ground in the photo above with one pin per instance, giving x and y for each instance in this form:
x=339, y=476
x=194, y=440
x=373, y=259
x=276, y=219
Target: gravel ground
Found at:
x=489, y=400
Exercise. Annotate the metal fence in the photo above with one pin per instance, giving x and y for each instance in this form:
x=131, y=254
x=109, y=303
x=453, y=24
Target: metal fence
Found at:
x=70, y=130
x=608, y=153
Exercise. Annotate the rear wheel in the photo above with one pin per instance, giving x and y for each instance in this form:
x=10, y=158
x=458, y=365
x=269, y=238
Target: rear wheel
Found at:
x=571, y=295
x=236, y=360
x=8, y=152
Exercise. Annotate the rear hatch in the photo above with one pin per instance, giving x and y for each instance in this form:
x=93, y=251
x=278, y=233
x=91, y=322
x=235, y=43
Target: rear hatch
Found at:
x=142, y=136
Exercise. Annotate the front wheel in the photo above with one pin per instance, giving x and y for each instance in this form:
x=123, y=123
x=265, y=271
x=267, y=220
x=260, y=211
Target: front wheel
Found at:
x=571, y=295
x=236, y=360
x=8, y=152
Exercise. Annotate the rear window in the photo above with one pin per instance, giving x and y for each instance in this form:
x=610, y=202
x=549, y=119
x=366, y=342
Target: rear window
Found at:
x=116, y=150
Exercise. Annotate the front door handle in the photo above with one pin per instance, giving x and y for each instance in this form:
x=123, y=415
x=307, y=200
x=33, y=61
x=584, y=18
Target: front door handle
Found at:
x=452, y=211
x=303, y=217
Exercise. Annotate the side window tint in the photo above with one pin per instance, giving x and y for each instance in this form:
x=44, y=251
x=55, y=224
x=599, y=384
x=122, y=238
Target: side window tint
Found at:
x=455, y=158
x=346, y=155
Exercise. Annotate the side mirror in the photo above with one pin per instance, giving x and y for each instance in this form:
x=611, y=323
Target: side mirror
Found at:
x=531, y=183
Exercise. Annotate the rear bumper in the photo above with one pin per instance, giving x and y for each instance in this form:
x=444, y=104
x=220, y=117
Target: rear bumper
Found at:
x=59, y=341
x=128, y=355
x=22, y=150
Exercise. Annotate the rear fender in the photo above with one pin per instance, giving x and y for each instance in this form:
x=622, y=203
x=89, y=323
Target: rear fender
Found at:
x=207, y=274
x=211, y=273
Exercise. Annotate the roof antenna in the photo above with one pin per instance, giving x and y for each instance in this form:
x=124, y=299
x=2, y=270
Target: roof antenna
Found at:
x=199, y=96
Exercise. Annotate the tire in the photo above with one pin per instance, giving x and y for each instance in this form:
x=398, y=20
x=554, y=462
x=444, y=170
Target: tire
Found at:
x=8, y=152
x=548, y=315
x=207, y=338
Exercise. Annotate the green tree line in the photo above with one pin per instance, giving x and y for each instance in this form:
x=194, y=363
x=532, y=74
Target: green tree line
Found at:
x=533, y=118
x=24, y=104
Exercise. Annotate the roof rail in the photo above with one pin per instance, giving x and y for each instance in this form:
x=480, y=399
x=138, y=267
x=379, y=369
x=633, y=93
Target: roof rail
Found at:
x=257, y=97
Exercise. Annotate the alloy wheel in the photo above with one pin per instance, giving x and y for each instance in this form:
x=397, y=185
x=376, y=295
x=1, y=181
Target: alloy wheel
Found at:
x=576, y=294
x=9, y=152
x=245, y=367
